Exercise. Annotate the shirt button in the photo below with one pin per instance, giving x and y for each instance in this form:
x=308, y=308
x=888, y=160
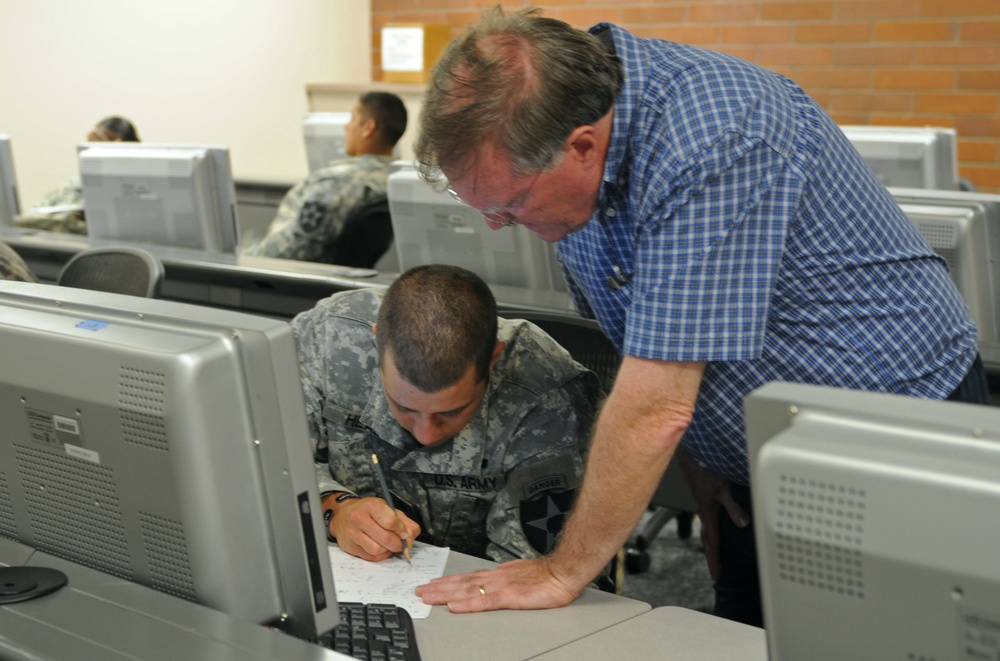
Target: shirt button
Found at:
x=610, y=212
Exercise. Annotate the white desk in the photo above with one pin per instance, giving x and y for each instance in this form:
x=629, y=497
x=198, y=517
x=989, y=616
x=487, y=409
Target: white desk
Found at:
x=668, y=633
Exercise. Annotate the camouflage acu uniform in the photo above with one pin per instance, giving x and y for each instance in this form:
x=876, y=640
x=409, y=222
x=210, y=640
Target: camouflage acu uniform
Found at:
x=60, y=210
x=312, y=214
x=12, y=267
x=501, y=487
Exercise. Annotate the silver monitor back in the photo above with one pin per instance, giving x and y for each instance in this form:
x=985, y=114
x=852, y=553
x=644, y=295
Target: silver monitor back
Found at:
x=910, y=157
x=964, y=228
x=10, y=206
x=432, y=227
x=876, y=520
x=166, y=194
x=166, y=444
x=324, y=136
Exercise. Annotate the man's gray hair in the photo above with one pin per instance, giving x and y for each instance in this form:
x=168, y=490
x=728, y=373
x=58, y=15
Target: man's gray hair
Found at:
x=520, y=82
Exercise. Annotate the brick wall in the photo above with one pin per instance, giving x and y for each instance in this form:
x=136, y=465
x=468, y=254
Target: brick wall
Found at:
x=883, y=62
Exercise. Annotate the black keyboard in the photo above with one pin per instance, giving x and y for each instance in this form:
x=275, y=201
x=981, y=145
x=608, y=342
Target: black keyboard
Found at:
x=375, y=632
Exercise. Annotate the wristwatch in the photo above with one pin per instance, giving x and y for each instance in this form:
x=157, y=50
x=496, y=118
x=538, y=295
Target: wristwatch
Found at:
x=327, y=516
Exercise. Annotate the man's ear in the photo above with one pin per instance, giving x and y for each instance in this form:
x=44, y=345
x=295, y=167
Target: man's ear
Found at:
x=497, y=350
x=369, y=127
x=582, y=143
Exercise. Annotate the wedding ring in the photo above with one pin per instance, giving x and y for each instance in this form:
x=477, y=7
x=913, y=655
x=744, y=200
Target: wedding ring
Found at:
x=482, y=591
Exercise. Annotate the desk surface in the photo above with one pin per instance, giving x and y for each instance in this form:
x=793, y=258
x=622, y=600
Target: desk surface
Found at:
x=668, y=633
x=514, y=635
x=98, y=617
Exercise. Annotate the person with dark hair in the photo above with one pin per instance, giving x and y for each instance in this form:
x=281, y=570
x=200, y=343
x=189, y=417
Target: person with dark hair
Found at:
x=725, y=234
x=113, y=129
x=12, y=266
x=61, y=210
x=479, y=422
x=309, y=224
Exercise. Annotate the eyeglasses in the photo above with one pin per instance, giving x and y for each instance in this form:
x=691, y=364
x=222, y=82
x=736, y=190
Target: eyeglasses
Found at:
x=500, y=215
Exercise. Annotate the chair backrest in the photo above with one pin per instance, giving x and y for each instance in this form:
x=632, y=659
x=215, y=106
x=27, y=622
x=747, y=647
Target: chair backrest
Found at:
x=589, y=346
x=119, y=269
x=365, y=237
x=582, y=338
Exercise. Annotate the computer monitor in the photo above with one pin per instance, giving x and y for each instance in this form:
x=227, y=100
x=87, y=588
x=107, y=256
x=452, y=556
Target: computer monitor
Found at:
x=876, y=520
x=909, y=157
x=10, y=207
x=174, y=195
x=166, y=444
x=964, y=228
x=432, y=227
x=324, y=136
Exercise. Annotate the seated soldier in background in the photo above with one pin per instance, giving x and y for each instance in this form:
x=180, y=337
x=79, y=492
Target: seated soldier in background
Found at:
x=311, y=217
x=61, y=210
x=480, y=423
x=12, y=267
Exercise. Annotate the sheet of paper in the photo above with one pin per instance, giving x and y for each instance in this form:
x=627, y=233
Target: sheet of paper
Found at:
x=391, y=581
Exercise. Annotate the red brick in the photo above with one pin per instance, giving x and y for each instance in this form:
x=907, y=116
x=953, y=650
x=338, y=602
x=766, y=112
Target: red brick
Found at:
x=985, y=177
x=799, y=55
x=686, y=34
x=958, y=8
x=979, y=80
x=833, y=32
x=913, y=79
x=832, y=78
x=862, y=9
x=952, y=55
x=739, y=51
x=584, y=18
x=644, y=15
x=459, y=20
x=912, y=120
x=713, y=12
x=915, y=31
x=978, y=127
x=870, y=102
x=419, y=16
x=976, y=150
x=845, y=119
x=872, y=55
x=796, y=11
x=756, y=34
x=979, y=31
x=959, y=104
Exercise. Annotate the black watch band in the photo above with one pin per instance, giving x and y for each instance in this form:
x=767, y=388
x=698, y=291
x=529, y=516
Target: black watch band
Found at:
x=344, y=496
x=327, y=516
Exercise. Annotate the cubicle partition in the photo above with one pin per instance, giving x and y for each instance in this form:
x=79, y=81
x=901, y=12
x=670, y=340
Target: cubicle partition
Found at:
x=278, y=288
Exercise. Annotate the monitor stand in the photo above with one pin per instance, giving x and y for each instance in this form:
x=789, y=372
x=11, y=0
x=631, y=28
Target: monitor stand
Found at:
x=24, y=583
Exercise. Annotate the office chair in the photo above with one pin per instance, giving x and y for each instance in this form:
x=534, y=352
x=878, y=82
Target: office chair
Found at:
x=586, y=342
x=120, y=269
x=365, y=237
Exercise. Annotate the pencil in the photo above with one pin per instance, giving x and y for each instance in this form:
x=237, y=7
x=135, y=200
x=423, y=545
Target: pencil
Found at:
x=388, y=499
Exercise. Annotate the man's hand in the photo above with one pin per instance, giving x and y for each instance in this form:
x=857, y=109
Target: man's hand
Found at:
x=515, y=585
x=370, y=529
x=711, y=494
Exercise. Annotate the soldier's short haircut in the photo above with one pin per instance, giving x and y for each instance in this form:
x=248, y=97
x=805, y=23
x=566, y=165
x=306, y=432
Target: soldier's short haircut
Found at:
x=437, y=320
x=389, y=114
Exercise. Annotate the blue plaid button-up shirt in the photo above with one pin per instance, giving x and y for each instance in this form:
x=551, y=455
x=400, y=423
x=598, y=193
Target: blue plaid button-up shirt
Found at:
x=738, y=226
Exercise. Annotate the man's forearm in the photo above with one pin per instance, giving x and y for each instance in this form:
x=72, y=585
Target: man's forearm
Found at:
x=631, y=448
